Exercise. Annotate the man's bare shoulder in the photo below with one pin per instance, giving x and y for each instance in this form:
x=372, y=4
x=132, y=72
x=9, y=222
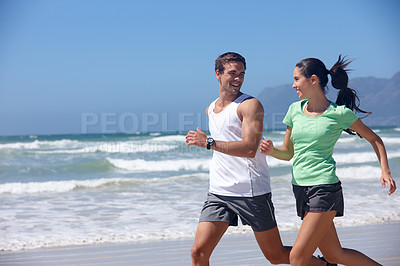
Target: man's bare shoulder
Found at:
x=251, y=107
x=251, y=104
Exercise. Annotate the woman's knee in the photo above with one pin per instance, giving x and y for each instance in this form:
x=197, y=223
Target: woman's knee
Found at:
x=298, y=258
x=197, y=253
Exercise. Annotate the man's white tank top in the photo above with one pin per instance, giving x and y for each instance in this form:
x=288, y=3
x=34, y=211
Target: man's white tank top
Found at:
x=232, y=175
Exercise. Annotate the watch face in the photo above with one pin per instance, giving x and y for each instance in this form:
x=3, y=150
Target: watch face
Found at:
x=210, y=142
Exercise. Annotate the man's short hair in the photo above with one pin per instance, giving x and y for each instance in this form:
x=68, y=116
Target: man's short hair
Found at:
x=226, y=58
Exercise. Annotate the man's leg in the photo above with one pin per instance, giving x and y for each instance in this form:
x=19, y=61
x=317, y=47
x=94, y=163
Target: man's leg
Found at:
x=271, y=246
x=207, y=237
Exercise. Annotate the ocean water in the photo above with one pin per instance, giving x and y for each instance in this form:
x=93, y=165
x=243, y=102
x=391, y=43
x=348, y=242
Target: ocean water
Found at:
x=85, y=189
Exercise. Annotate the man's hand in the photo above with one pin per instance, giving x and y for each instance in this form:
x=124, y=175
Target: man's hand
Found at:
x=197, y=138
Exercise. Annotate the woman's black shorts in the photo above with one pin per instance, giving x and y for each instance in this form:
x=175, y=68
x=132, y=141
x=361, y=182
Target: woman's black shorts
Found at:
x=320, y=198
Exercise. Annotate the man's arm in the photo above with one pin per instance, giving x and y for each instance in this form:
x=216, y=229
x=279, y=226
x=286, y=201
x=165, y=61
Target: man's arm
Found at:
x=251, y=112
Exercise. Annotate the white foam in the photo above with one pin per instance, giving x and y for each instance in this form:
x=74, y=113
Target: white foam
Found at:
x=129, y=147
x=171, y=138
x=75, y=151
x=387, y=140
x=273, y=162
x=71, y=185
x=76, y=147
x=37, y=144
x=359, y=173
x=55, y=186
x=140, y=165
x=347, y=140
x=360, y=157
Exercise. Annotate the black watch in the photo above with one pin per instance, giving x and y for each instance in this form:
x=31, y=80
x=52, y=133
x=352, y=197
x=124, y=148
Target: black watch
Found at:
x=210, y=142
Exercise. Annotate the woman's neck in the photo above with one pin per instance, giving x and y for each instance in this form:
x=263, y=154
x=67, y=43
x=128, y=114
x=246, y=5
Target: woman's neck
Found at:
x=317, y=104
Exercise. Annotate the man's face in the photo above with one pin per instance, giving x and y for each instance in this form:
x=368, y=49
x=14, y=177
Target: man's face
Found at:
x=232, y=79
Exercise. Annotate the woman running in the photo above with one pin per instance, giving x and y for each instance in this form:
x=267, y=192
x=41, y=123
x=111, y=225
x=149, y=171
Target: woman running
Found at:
x=314, y=124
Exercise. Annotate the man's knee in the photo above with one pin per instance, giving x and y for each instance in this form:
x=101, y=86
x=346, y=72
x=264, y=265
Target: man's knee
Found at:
x=275, y=259
x=278, y=256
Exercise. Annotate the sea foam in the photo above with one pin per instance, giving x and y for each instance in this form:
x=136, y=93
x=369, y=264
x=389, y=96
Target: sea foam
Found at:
x=73, y=185
x=54, y=186
x=140, y=165
x=40, y=144
x=361, y=157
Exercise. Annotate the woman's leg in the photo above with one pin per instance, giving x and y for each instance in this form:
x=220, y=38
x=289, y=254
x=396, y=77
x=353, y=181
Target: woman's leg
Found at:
x=313, y=229
x=334, y=253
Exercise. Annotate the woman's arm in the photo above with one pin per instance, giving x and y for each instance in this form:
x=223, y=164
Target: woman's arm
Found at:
x=283, y=153
x=380, y=151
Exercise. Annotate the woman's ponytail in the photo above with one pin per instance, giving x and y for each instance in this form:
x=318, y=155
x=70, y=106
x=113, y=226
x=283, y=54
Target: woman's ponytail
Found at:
x=340, y=81
x=346, y=96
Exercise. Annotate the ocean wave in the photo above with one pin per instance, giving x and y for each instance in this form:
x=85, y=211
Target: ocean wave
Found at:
x=140, y=165
x=132, y=147
x=55, y=186
x=352, y=139
x=74, y=185
x=40, y=144
x=115, y=147
x=64, y=239
x=273, y=162
x=171, y=138
x=347, y=140
x=388, y=140
x=77, y=147
x=361, y=157
x=359, y=172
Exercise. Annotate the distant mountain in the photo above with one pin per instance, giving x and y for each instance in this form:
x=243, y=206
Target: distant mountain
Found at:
x=377, y=95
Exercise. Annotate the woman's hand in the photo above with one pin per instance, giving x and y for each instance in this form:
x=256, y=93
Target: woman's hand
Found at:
x=387, y=178
x=266, y=147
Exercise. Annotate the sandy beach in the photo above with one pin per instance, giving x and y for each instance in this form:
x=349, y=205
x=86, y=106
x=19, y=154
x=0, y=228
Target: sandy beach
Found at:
x=379, y=241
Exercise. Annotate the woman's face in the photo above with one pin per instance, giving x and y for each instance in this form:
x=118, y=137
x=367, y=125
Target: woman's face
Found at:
x=301, y=84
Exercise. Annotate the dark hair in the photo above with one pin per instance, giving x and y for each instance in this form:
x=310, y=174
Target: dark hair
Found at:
x=228, y=57
x=346, y=96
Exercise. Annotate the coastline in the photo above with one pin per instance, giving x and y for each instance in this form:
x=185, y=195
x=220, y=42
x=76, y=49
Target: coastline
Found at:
x=378, y=241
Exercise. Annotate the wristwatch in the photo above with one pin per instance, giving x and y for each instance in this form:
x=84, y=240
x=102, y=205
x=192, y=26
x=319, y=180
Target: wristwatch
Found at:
x=210, y=142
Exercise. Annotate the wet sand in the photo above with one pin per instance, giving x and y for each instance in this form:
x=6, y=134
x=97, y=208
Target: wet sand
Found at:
x=380, y=242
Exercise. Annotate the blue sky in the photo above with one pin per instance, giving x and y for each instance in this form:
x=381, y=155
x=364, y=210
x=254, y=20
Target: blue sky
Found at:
x=77, y=66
